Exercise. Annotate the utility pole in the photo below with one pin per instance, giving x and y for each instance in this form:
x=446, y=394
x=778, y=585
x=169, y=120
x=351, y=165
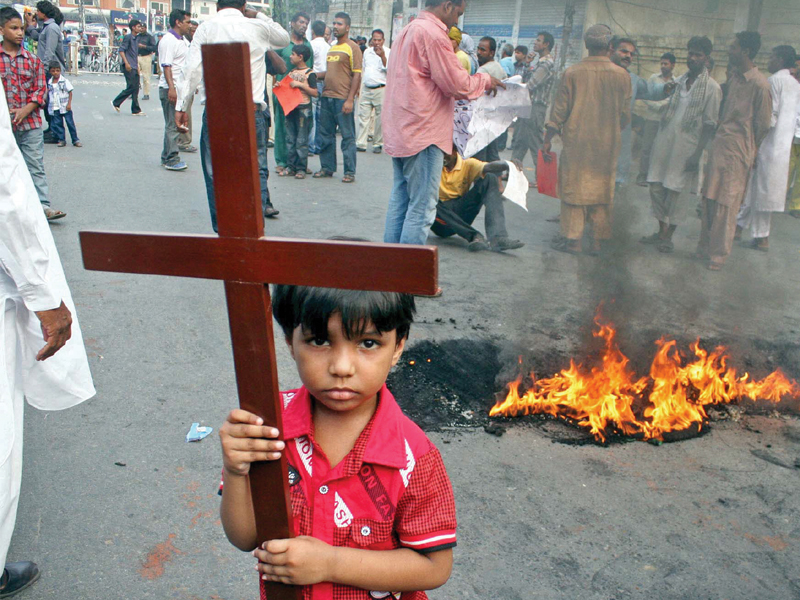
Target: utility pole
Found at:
x=566, y=33
x=382, y=18
x=754, y=15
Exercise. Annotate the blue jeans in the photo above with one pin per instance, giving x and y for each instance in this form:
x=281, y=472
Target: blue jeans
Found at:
x=313, y=142
x=330, y=116
x=31, y=144
x=412, y=206
x=57, y=125
x=262, y=135
x=297, y=123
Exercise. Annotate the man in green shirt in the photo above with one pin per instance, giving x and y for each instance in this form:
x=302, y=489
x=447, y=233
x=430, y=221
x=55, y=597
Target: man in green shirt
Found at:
x=297, y=32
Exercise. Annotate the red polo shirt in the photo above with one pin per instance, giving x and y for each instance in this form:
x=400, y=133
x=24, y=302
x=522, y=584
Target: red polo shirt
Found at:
x=390, y=491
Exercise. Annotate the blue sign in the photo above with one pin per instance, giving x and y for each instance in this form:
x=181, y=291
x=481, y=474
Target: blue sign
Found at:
x=122, y=18
x=496, y=31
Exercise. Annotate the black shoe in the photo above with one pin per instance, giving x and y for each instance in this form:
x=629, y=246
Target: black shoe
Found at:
x=361, y=149
x=271, y=213
x=145, y=97
x=270, y=144
x=502, y=244
x=377, y=150
x=478, y=244
x=18, y=576
x=49, y=139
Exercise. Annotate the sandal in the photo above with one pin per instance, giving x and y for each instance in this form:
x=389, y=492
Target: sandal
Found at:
x=286, y=173
x=651, y=239
x=280, y=170
x=714, y=266
x=300, y=175
x=322, y=173
x=348, y=179
x=566, y=245
x=53, y=215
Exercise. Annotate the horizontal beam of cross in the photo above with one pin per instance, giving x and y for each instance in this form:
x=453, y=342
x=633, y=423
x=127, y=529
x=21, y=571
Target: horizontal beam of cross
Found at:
x=337, y=264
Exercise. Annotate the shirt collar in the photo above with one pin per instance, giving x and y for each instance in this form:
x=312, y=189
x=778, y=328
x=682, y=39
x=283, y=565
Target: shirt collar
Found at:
x=173, y=32
x=597, y=59
x=458, y=166
x=427, y=15
x=385, y=445
x=230, y=12
x=751, y=74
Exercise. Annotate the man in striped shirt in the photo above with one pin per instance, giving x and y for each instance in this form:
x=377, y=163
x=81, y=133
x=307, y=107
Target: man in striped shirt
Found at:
x=529, y=133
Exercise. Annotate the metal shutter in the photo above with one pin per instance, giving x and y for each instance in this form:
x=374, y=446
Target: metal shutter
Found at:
x=548, y=15
x=491, y=17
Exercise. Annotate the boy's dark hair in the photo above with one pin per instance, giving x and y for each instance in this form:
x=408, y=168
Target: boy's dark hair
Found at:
x=787, y=55
x=344, y=16
x=750, y=41
x=299, y=14
x=230, y=4
x=312, y=308
x=47, y=9
x=548, y=39
x=54, y=64
x=522, y=49
x=492, y=43
x=7, y=13
x=134, y=23
x=302, y=51
x=670, y=57
x=701, y=43
x=617, y=41
x=59, y=18
x=318, y=28
x=178, y=15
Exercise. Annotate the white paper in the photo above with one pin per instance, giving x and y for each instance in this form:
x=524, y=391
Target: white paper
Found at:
x=516, y=187
x=479, y=122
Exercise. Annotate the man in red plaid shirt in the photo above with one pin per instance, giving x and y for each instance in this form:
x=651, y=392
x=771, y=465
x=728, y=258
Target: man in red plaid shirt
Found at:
x=23, y=77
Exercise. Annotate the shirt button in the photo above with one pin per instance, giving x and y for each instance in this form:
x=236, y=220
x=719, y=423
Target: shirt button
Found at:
x=323, y=490
x=365, y=530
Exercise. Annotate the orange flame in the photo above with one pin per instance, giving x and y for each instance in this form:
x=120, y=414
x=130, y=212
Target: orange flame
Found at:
x=675, y=394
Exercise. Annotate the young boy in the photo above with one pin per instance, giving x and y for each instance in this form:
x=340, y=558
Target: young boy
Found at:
x=24, y=82
x=298, y=122
x=371, y=500
x=59, y=105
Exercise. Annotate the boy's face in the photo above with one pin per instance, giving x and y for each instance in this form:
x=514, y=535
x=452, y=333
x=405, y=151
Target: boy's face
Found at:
x=13, y=31
x=344, y=374
x=55, y=73
x=296, y=59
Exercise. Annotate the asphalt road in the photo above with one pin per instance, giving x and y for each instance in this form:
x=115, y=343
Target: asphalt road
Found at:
x=115, y=504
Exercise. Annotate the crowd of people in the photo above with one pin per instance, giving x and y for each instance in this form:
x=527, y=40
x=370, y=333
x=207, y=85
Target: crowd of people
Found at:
x=736, y=146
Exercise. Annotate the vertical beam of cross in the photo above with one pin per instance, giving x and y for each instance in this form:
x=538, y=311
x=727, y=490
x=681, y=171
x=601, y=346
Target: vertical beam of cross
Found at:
x=232, y=135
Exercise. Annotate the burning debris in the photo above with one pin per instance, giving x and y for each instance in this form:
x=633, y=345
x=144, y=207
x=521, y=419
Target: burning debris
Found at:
x=669, y=404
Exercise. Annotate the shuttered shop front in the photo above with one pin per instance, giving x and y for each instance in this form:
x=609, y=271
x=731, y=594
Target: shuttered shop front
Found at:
x=491, y=17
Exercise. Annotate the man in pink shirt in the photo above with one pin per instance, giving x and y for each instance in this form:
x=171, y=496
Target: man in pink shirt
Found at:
x=424, y=79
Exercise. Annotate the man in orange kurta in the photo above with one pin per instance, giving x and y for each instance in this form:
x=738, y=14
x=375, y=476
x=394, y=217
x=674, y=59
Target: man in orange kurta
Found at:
x=592, y=107
x=744, y=123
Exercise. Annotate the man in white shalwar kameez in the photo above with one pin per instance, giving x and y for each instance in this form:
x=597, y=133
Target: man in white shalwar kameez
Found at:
x=688, y=124
x=43, y=358
x=769, y=179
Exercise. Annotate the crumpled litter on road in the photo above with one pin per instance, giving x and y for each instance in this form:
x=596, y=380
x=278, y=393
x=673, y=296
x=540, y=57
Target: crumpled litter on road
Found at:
x=197, y=433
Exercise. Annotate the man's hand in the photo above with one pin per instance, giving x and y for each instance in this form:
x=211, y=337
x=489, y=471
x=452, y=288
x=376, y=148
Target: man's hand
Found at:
x=30, y=20
x=496, y=83
x=172, y=95
x=302, y=560
x=18, y=115
x=347, y=108
x=182, y=120
x=529, y=57
x=69, y=106
x=250, y=13
x=245, y=439
x=295, y=84
x=692, y=163
x=517, y=163
x=546, y=151
x=379, y=50
x=669, y=88
x=56, y=328
x=128, y=67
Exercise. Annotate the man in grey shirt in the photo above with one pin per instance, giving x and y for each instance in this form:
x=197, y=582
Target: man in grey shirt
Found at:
x=47, y=33
x=129, y=54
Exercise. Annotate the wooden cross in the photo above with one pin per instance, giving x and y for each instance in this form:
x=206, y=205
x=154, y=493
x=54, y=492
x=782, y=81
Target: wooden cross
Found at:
x=246, y=260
